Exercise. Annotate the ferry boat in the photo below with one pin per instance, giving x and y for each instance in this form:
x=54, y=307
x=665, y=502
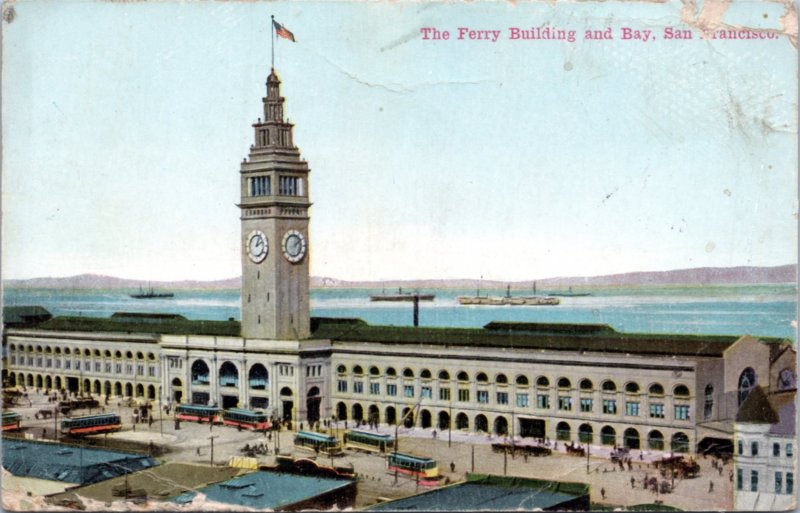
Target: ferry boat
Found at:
x=151, y=294
x=402, y=296
x=508, y=300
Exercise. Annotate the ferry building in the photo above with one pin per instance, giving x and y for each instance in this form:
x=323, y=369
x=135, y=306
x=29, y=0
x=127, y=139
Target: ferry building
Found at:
x=582, y=383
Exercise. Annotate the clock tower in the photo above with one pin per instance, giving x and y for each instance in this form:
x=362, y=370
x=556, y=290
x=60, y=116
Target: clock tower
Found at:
x=274, y=215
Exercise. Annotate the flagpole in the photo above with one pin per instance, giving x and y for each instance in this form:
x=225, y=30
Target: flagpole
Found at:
x=272, y=37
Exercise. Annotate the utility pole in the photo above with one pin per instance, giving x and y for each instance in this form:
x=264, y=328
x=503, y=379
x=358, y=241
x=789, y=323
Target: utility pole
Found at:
x=588, y=447
x=473, y=459
x=55, y=422
x=212, y=448
x=450, y=427
x=505, y=461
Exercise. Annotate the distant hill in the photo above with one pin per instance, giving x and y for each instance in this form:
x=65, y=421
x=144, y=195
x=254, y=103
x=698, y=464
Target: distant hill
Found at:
x=697, y=276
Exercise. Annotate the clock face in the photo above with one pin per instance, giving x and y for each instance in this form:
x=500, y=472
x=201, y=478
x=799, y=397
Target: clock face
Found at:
x=257, y=246
x=294, y=246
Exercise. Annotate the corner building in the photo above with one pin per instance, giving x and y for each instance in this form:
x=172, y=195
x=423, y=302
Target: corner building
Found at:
x=581, y=383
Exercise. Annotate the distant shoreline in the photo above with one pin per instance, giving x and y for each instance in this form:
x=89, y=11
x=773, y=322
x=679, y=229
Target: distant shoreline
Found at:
x=701, y=277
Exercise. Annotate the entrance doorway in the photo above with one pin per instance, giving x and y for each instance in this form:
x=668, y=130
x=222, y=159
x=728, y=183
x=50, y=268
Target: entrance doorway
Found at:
x=288, y=406
x=230, y=401
x=533, y=428
x=73, y=384
x=313, y=401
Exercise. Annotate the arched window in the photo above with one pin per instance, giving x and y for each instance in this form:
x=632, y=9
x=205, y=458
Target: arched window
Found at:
x=391, y=372
x=341, y=369
x=357, y=370
x=107, y=354
x=408, y=373
x=564, y=383
x=501, y=379
x=228, y=375
x=609, y=386
x=656, y=389
x=128, y=354
x=87, y=352
x=522, y=380
x=117, y=354
x=258, y=378
x=374, y=371
x=542, y=381
x=463, y=376
x=585, y=433
x=747, y=382
x=425, y=374
x=481, y=377
x=680, y=442
x=655, y=440
x=97, y=352
x=586, y=384
x=708, y=404
x=787, y=379
x=444, y=375
x=562, y=431
x=200, y=373
x=608, y=436
x=681, y=391
x=632, y=387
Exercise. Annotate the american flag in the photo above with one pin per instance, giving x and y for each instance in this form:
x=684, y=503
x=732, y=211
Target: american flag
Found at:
x=283, y=31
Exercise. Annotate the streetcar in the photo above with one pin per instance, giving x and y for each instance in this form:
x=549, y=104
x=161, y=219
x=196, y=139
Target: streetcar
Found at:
x=197, y=413
x=91, y=424
x=247, y=419
x=367, y=441
x=11, y=421
x=416, y=466
x=317, y=442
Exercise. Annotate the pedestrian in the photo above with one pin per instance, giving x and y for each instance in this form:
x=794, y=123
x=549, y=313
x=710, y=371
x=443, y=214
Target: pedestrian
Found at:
x=603, y=493
x=633, y=482
x=710, y=486
x=720, y=470
x=452, y=466
x=434, y=434
x=526, y=457
x=198, y=451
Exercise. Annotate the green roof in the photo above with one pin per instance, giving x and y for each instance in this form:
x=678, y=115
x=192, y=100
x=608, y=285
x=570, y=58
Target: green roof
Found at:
x=552, y=337
x=133, y=323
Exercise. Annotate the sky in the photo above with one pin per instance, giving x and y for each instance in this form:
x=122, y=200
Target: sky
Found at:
x=124, y=124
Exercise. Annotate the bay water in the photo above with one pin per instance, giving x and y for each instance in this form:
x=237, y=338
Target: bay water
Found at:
x=760, y=310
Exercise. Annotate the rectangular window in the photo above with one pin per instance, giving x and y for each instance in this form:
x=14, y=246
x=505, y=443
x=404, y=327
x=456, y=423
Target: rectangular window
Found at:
x=740, y=447
x=776, y=449
x=77, y=364
x=708, y=408
x=522, y=400
x=375, y=389
x=391, y=390
x=739, y=479
x=358, y=387
x=789, y=450
x=342, y=385
x=408, y=390
x=98, y=366
x=140, y=370
x=754, y=480
x=151, y=371
x=632, y=408
x=117, y=368
x=39, y=363
x=463, y=395
x=790, y=483
x=13, y=359
x=289, y=186
x=542, y=401
x=426, y=392
x=483, y=396
x=564, y=403
x=48, y=363
x=656, y=411
x=444, y=394
x=260, y=186
x=682, y=412
x=58, y=363
x=610, y=406
x=67, y=364
x=778, y=482
x=754, y=449
x=108, y=368
x=502, y=397
x=587, y=405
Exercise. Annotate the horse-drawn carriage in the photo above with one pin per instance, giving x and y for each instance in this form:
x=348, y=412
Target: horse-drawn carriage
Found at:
x=575, y=450
x=678, y=467
x=530, y=450
x=620, y=454
x=43, y=414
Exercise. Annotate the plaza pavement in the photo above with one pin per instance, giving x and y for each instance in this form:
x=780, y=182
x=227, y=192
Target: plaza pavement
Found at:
x=192, y=443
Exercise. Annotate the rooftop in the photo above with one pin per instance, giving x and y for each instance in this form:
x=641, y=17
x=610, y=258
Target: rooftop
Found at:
x=494, y=493
x=69, y=463
x=517, y=335
x=273, y=490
